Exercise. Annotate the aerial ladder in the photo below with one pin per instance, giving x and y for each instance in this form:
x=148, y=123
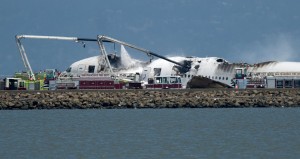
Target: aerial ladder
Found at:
x=24, y=55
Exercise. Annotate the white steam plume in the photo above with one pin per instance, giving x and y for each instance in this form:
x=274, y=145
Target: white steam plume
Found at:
x=274, y=48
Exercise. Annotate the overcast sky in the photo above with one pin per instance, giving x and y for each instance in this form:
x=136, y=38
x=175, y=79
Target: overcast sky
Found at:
x=237, y=30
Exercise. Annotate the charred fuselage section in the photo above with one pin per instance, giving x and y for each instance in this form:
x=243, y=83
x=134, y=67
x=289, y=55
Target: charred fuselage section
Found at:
x=184, y=67
x=230, y=67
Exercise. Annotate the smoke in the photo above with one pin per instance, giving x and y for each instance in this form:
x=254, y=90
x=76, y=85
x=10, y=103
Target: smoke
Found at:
x=280, y=47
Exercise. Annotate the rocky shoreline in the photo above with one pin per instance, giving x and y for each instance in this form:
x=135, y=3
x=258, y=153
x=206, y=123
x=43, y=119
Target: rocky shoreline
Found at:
x=120, y=99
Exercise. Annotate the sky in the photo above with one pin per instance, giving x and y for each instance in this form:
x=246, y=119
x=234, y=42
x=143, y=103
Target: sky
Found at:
x=236, y=30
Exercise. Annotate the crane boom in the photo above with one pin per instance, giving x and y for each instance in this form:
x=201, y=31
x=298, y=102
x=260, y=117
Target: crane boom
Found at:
x=109, y=39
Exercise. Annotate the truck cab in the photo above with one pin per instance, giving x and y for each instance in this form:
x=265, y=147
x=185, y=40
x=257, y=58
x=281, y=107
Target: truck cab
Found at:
x=14, y=84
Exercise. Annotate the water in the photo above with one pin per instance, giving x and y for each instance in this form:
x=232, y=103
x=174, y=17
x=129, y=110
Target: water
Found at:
x=126, y=60
x=151, y=133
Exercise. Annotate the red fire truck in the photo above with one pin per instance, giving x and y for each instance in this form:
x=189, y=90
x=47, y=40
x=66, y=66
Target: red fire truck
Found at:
x=164, y=82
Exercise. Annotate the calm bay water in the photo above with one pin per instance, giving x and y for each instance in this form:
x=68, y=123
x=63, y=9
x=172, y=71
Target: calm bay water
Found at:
x=151, y=133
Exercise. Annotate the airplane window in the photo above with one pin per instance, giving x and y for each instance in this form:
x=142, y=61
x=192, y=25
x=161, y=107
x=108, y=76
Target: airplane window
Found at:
x=189, y=76
x=223, y=78
x=219, y=78
x=226, y=78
